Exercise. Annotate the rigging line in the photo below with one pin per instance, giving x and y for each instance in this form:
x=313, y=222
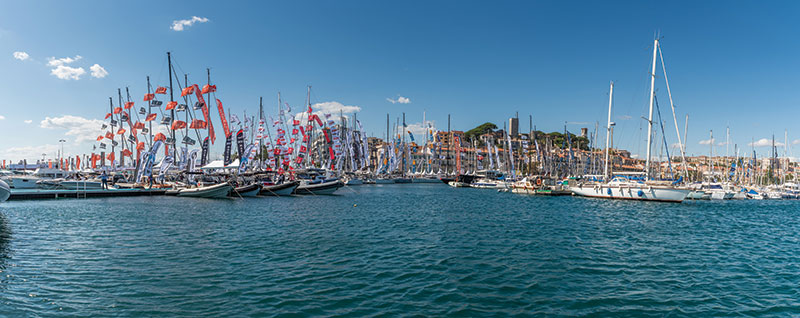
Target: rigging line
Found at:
x=663, y=135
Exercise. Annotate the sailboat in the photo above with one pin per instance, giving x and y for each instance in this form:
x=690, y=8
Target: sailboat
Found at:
x=627, y=188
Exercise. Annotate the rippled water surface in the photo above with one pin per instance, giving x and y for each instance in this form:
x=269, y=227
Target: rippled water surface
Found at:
x=395, y=250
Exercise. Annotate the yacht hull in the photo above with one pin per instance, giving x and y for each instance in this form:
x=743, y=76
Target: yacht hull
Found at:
x=324, y=188
x=5, y=191
x=640, y=193
x=214, y=191
x=282, y=189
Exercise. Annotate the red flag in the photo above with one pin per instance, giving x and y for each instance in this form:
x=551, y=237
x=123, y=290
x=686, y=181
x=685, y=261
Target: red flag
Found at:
x=295, y=131
x=159, y=136
x=99, y=137
x=295, y=122
x=151, y=117
x=140, y=145
x=330, y=151
x=303, y=149
x=198, y=124
x=206, y=115
x=178, y=124
x=209, y=89
x=109, y=135
x=111, y=157
x=327, y=137
x=161, y=90
x=171, y=105
x=126, y=152
x=108, y=115
x=138, y=125
x=302, y=130
x=128, y=105
x=222, y=117
x=188, y=90
x=148, y=97
x=121, y=131
x=117, y=110
x=319, y=121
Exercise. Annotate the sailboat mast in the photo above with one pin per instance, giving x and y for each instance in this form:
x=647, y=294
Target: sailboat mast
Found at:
x=113, y=131
x=608, y=128
x=149, y=110
x=171, y=99
x=650, y=115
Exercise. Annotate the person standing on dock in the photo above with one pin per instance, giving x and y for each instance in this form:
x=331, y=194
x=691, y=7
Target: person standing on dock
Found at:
x=104, y=180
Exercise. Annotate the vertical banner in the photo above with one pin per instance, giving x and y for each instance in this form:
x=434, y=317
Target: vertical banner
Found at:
x=224, y=119
x=240, y=143
x=204, y=154
x=226, y=157
x=102, y=158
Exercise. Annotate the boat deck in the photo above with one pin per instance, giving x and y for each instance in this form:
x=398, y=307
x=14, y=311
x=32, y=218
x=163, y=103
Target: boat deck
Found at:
x=38, y=194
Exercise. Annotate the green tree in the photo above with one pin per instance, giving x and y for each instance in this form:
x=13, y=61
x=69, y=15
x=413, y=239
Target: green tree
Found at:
x=480, y=130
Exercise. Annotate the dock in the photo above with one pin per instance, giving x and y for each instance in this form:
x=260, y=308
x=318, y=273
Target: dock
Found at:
x=38, y=194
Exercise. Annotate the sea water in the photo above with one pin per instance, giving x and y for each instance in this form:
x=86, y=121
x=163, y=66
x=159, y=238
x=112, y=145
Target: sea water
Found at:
x=398, y=250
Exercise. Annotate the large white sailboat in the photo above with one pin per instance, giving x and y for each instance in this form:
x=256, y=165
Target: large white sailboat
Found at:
x=628, y=188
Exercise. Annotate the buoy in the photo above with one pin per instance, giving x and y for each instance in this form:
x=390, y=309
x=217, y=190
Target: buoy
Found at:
x=355, y=205
x=608, y=191
x=640, y=193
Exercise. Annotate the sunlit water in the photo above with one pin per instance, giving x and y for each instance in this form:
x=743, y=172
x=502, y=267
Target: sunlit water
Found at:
x=395, y=250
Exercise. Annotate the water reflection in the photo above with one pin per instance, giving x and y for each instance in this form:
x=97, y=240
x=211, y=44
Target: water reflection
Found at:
x=5, y=248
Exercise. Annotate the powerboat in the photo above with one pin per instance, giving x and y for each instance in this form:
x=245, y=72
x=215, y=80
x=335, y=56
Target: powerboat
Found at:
x=250, y=190
x=214, y=191
x=317, y=182
x=5, y=191
x=286, y=188
x=81, y=184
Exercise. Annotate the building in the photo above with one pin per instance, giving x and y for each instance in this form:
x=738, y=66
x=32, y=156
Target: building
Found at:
x=513, y=126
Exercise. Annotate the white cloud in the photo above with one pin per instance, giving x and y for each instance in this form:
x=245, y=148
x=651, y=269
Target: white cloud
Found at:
x=796, y=141
x=64, y=60
x=333, y=108
x=625, y=117
x=31, y=153
x=82, y=129
x=707, y=141
x=420, y=130
x=178, y=25
x=400, y=100
x=68, y=73
x=764, y=142
x=723, y=143
x=28, y=121
x=2, y=117
x=98, y=71
x=21, y=56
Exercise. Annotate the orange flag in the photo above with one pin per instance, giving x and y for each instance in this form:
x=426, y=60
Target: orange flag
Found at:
x=148, y=97
x=161, y=90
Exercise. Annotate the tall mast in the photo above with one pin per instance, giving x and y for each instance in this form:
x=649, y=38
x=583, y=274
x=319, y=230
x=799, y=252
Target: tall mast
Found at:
x=186, y=113
x=608, y=128
x=113, y=131
x=681, y=146
x=208, y=98
x=650, y=116
x=171, y=99
x=122, y=137
x=149, y=110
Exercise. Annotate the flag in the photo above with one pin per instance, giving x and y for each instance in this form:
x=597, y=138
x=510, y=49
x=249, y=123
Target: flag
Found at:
x=110, y=157
x=222, y=116
x=109, y=135
x=126, y=152
x=159, y=136
x=188, y=90
x=117, y=110
x=99, y=137
x=209, y=89
x=178, y=124
x=121, y=131
x=138, y=125
x=198, y=124
x=171, y=105
x=151, y=117
x=140, y=145
x=148, y=97
x=161, y=90
x=108, y=115
x=128, y=105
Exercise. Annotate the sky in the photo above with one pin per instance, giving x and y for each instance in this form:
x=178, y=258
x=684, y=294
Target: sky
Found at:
x=729, y=64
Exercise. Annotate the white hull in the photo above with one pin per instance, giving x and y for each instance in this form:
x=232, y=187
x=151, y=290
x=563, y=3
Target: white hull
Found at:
x=721, y=195
x=456, y=184
x=81, y=185
x=215, y=191
x=279, y=189
x=636, y=192
x=5, y=191
x=19, y=182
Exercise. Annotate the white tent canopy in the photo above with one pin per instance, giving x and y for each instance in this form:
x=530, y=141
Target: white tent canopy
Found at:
x=219, y=164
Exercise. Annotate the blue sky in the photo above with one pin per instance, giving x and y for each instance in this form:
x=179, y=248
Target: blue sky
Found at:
x=729, y=63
